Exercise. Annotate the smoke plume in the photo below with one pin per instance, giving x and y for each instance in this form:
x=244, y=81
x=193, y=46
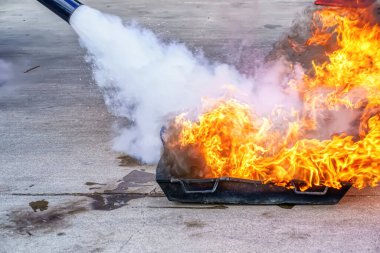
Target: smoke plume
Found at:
x=146, y=80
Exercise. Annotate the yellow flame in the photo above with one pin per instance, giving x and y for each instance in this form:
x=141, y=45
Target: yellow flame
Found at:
x=232, y=141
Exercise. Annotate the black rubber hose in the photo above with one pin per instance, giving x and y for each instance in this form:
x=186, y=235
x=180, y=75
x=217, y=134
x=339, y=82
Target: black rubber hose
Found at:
x=63, y=8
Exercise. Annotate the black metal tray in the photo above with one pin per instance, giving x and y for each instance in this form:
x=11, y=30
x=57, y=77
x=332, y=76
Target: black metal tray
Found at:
x=242, y=191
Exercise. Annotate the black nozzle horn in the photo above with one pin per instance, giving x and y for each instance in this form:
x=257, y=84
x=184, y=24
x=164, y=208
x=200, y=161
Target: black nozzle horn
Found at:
x=63, y=8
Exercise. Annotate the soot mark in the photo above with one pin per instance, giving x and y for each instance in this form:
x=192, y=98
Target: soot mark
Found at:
x=41, y=205
x=27, y=221
x=113, y=201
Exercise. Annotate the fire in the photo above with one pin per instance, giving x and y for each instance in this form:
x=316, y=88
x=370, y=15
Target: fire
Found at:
x=230, y=140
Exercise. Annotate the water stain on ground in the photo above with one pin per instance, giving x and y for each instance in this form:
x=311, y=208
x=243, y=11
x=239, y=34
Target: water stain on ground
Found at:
x=109, y=202
x=134, y=179
x=116, y=198
x=27, y=221
x=41, y=205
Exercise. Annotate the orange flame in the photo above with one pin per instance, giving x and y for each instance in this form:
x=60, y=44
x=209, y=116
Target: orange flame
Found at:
x=229, y=140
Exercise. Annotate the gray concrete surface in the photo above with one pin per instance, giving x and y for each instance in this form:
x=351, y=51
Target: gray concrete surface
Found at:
x=56, y=134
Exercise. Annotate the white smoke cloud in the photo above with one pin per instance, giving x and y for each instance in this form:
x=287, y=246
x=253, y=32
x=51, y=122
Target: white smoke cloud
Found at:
x=145, y=79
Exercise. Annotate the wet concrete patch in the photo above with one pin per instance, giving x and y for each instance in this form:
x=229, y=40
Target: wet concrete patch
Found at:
x=134, y=179
x=26, y=221
x=118, y=197
x=41, y=205
x=108, y=202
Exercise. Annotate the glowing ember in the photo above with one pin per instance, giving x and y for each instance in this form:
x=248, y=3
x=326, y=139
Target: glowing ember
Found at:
x=229, y=140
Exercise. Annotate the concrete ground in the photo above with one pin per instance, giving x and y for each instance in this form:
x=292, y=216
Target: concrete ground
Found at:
x=56, y=134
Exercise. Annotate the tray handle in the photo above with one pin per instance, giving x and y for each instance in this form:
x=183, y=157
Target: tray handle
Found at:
x=186, y=190
x=318, y=193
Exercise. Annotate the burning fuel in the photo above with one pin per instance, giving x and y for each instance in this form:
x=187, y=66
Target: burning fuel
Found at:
x=317, y=124
x=229, y=139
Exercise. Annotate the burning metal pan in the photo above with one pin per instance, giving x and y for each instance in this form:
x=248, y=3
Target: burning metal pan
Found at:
x=241, y=191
